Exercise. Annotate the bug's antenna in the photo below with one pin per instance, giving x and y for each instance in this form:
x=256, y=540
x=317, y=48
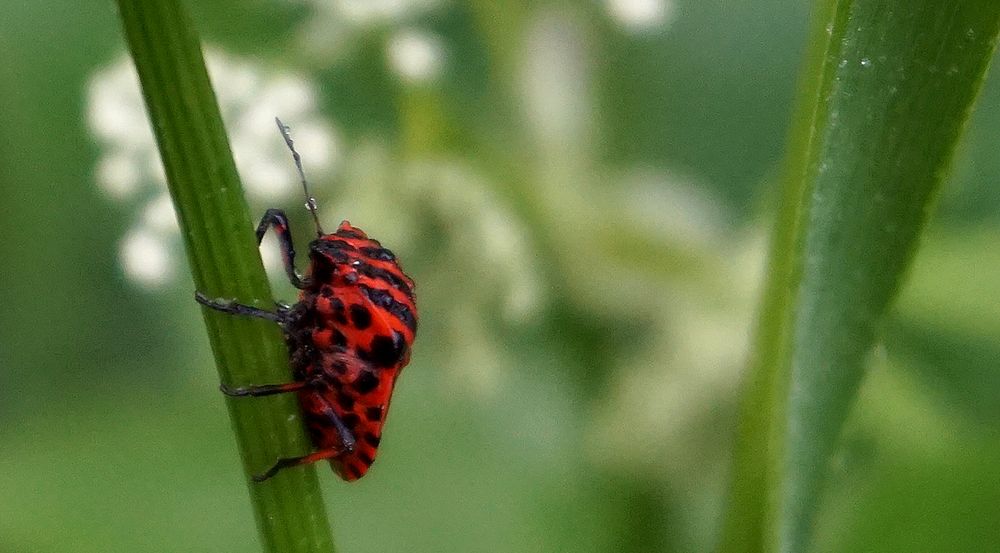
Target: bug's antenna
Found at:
x=310, y=201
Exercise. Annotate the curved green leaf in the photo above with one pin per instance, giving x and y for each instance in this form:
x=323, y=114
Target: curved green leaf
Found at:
x=888, y=89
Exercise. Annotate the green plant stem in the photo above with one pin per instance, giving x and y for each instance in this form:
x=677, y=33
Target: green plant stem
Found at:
x=887, y=91
x=225, y=262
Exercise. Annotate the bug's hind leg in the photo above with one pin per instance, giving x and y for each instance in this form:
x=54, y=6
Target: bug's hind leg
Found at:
x=234, y=308
x=296, y=461
x=346, y=446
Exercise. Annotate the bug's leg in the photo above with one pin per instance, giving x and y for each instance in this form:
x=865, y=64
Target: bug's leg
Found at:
x=234, y=308
x=277, y=219
x=264, y=389
x=347, y=445
x=296, y=461
x=268, y=389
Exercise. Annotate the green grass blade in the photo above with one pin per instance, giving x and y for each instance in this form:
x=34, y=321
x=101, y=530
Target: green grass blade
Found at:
x=888, y=88
x=225, y=262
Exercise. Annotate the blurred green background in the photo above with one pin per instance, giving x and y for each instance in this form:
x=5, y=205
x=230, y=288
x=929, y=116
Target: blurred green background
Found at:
x=580, y=189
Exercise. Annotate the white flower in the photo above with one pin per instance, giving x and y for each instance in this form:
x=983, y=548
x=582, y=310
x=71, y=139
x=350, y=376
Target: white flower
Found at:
x=250, y=97
x=415, y=56
x=641, y=15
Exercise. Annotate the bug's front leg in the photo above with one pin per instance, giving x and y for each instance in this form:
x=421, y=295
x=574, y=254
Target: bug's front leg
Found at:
x=276, y=218
x=234, y=308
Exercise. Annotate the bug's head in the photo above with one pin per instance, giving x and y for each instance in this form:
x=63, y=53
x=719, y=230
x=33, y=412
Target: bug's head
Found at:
x=330, y=250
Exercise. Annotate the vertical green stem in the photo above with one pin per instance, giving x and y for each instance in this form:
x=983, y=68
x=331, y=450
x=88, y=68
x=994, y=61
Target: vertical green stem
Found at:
x=225, y=262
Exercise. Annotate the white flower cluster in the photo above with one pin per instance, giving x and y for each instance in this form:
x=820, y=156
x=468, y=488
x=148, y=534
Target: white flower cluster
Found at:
x=129, y=168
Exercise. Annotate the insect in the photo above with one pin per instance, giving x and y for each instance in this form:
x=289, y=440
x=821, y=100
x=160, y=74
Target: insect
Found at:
x=349, y=336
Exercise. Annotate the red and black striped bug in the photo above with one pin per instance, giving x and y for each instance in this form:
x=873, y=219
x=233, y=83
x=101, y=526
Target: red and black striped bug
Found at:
x=349, y=336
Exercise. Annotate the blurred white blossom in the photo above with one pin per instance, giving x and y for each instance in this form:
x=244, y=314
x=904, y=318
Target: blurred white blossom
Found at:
x=146, y=258
x=416, y=56
x=250, y=96
x=641, y=15
x=556, y=84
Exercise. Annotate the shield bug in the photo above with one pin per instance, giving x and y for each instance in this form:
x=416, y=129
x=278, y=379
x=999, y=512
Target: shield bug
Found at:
x=348, y=336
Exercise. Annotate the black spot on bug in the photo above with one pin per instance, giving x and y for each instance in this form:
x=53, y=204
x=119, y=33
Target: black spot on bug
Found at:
x=365, y=458
x=380, y=254
x=315, y=433
x=387, y=351
x=366, y=382
x=345, y=401
x=339, y=339
x=326, y=292
x=352, y=472
x=317, y=423
x=350, y=420
x=372, y=439
x=339, y=313
x=374, y=413
x=361, y=316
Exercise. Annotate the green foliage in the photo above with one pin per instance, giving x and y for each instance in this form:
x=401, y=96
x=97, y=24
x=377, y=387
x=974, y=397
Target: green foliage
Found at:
x=215, y=224
x=889, y=88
